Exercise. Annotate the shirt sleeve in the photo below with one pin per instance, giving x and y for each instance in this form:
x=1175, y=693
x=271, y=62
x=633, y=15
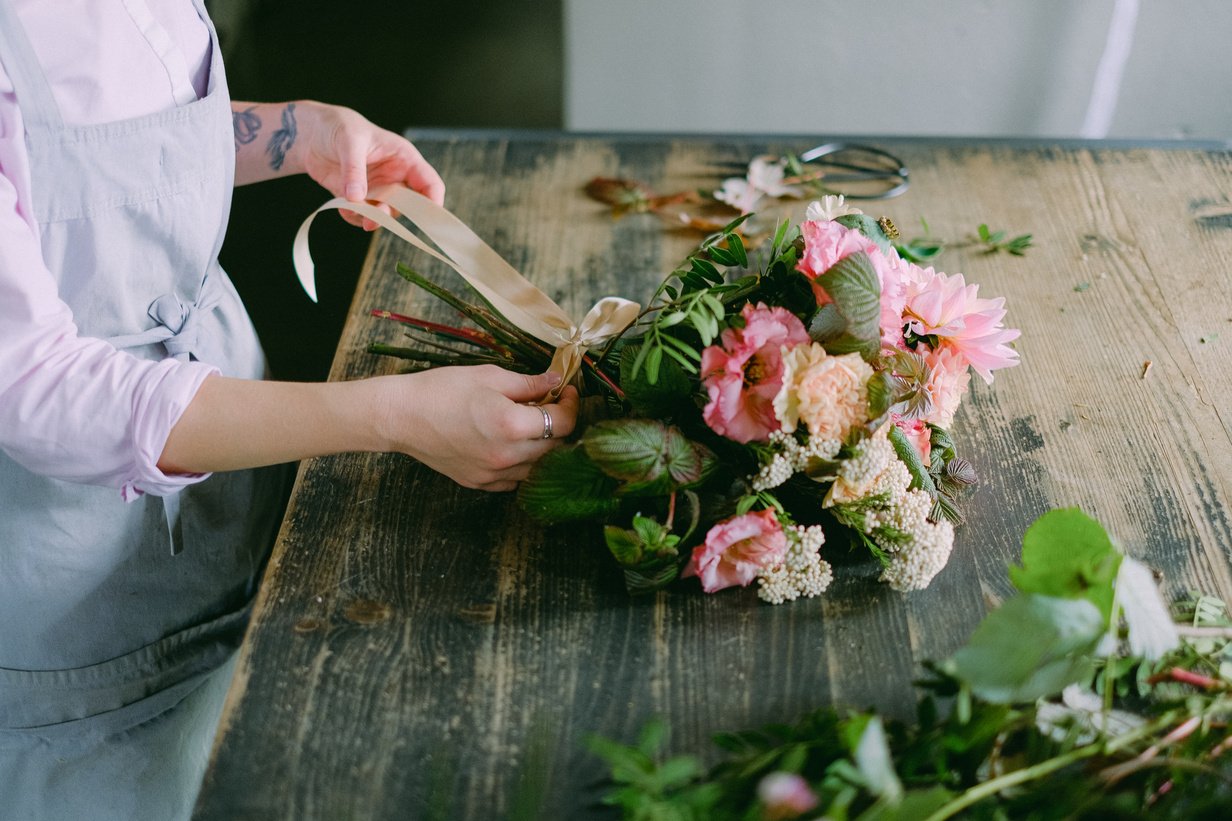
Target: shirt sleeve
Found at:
x=73, y=407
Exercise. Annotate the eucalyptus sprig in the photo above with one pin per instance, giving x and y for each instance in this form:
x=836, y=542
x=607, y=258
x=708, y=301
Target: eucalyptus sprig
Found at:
x=692, y=296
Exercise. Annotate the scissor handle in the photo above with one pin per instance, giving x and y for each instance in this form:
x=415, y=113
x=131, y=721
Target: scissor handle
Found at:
x=897, y=170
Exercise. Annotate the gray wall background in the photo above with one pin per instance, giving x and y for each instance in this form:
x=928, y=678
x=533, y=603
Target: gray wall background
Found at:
x=825, y=67
x=932, y=67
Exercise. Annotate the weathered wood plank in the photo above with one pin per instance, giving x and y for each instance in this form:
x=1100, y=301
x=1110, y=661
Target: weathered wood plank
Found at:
x=420, y=650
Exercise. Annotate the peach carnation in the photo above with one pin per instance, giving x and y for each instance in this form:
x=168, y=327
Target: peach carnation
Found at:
x=829, y=394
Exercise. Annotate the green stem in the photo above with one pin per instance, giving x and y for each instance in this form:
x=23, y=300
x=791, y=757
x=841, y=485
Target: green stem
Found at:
x=981, y=791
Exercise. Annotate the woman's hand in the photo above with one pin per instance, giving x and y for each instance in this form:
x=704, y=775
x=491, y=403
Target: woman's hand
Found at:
x=468, y=423
x=471, y=423
x=348, y=155
x=336, y=146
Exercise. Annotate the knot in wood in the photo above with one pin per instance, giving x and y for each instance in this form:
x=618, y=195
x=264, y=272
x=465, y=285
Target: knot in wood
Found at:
x=367, y=611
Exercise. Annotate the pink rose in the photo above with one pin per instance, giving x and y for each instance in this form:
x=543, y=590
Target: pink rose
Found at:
x=735, y=550
x=743, y=374
x=785, y=795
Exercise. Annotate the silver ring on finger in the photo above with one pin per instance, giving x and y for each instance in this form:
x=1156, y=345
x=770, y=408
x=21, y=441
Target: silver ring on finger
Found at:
x=547, y=423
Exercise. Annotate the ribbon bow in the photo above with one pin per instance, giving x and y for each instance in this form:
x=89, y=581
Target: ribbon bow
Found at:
x=487, y=272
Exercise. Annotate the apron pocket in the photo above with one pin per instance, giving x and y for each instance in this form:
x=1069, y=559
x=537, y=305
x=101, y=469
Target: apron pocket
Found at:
x=120, y=693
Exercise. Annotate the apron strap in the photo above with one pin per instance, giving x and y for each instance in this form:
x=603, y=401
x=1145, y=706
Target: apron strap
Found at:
x=38, y=106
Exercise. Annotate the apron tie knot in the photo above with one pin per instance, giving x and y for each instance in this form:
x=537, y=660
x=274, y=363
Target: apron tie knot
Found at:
x=178, y=322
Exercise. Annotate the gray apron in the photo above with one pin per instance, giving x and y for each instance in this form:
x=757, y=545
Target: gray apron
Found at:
x=118, y=619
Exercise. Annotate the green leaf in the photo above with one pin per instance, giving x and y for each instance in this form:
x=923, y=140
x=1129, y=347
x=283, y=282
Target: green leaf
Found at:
x=1068, y=554
x=654, y=360
x=706, y=270
x=1031, y=647
x=880, y=393
x=657, y=400
x=648, y=455
x=565, y=486
x=650, y=576
x=867, y=226
x=909, y=456
x=625, y=545
x=853, y=285
x=914, y=805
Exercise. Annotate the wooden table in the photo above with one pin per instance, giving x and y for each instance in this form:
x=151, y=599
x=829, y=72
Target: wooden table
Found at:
x=424, y=651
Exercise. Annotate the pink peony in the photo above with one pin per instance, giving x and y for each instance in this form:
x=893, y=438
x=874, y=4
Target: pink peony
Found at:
x=743, y=374
x=947, y=307
x=785, y=795
x=736, y=549
x=826, y=243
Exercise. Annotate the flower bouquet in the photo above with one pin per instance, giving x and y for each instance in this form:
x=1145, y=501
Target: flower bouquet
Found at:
x=761, y=402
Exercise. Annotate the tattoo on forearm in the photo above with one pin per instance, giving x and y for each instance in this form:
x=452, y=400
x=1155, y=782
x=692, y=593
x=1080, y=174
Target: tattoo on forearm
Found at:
x=281, y=140
x=246, y=125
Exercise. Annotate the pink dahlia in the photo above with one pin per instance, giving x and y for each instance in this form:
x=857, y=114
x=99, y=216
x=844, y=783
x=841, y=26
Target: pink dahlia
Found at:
x=737, y=549
x=947, y=383
x=827, y=242
x=744, y=373
x=947, y=307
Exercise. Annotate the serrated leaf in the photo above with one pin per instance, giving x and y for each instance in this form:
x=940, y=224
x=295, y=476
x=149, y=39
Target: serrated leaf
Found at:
x=880, y=393
x=649, y=456
x=1068, y=554
x=625, y=545
x=853, y=285
x=1031, y=647
x=565, y=485
x=909, y=456
x=648, y=530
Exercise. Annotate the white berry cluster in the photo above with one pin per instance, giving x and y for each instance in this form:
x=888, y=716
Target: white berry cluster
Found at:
x=801, y=573
x=873, y=489
x=789, y=456
x=915, y=563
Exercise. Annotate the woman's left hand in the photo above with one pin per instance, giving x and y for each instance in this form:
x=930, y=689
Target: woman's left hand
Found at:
x=348, y=155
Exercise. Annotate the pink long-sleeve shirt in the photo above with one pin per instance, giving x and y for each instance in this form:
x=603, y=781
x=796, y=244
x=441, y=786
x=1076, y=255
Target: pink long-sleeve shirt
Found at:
x=105, y=60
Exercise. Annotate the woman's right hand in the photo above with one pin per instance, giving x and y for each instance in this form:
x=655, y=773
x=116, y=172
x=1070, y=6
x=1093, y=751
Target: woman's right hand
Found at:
x=473, y=424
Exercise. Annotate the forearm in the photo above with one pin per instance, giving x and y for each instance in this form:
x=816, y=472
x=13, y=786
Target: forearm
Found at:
x=233, y=424
x=269, y=138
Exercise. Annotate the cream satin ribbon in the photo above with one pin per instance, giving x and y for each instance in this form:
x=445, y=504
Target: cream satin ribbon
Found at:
x=495, y=279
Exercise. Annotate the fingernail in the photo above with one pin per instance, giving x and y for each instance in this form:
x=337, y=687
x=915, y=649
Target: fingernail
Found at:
x=354, y=192
x=553, y=378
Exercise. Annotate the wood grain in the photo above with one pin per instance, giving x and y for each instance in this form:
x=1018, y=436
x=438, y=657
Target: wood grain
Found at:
x=424, y=651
